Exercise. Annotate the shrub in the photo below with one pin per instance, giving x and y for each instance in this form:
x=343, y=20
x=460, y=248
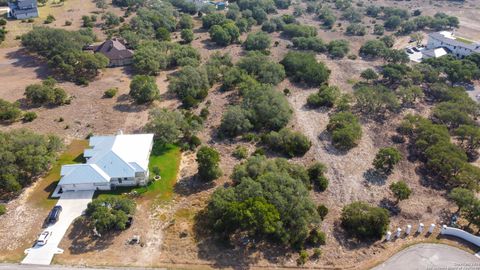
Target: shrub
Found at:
x=298, y=30
x=9, y=112
x=110, y=93
x=240, y=152
x=289, y=142
x=49, y=19
x=326, y=96
x=46, y=93
x=190, y=84
x=316, y=173
x=29, y=116
x=400, y=190
x=143, y=89
x=322, y=211
x=345, y=130
x=316, y=237
x=3, y=209
x=363, y=221
x=235, y=121
x=303, y=67
x=386, y=159
x=262, y=68
x=302, y=257
x=208, y=159
x=68, y=23
x=110, y=213
x=257, y=41
x=373, y=49
x=187, y=35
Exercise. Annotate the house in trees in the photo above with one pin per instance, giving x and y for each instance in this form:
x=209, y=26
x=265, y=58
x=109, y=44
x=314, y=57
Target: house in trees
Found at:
x=116, y=52
x=22, y=9
x=457, y=46
x=112, y=161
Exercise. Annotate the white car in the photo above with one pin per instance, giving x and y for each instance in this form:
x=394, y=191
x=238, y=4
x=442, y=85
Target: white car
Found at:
x=43, y=238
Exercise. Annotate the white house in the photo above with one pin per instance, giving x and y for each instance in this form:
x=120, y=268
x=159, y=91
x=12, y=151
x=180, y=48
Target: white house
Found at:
x=457, y=46
x=119, y=160
x=22, y=9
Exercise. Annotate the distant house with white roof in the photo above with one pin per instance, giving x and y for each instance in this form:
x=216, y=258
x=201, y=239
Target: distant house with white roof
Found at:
x=457, y=46
x=119, y=160
x=22, y=9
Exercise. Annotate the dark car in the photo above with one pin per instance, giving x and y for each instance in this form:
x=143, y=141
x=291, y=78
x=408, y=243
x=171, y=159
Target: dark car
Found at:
x=409, y=51
x=416, y=49
x=54, y=214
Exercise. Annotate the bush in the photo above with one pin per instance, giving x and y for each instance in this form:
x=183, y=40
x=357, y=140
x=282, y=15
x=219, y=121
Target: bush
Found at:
x=257, y=41
x=322, y=211
x=68, y=23
x=187, y=35
x=110, y=93
x=316, y=237
x=143, y=89
x=386, y=159
x=29, y=116
x=49, y=19
x=3, y=209
x=298, y=30
x=262, y=68
x=208, y=159
x=235, y=121
x=315, y=44
x=326, y=96
x=225, y=34
x=316, y=173
x=345, y=130
x=9, y=112
x=373, y=49
x=110, y=213
x=46, y=93
x=400, y=190
x=289, y=142
x=302, y=257
x=303, y=67
x=363, y=221
x=240, y=152
x=356, y=29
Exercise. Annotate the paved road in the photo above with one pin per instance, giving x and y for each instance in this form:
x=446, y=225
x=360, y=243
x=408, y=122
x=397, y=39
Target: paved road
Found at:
x=431, y=256
x=59, y=267
x=73, y=204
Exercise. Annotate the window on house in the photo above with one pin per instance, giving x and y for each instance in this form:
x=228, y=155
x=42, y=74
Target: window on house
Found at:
x=120, y=180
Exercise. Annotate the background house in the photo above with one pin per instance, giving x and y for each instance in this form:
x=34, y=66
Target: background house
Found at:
x=119, y=160
x=457, y=46
x=116, y=52
x=23, y=9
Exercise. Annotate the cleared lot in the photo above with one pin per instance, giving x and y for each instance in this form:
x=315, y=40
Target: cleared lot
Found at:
x=73, y=204
x=431, y=256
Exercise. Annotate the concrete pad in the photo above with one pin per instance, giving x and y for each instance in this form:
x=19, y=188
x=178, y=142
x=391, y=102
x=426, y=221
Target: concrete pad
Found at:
x=431, y=256
x=73, y=204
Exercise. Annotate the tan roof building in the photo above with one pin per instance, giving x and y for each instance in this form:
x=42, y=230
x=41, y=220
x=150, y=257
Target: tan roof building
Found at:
x=116, y=51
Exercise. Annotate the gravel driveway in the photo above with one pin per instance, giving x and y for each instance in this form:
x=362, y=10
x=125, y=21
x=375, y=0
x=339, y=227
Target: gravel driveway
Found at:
x=73, y=205
x=431, y=256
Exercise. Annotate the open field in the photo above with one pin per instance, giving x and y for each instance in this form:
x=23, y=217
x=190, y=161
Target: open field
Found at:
x=167, y=209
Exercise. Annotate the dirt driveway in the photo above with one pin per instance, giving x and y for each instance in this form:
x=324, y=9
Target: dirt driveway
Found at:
x=73, y=204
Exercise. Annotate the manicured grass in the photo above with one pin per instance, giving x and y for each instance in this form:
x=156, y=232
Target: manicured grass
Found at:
x=167, y=159
x=41, y=194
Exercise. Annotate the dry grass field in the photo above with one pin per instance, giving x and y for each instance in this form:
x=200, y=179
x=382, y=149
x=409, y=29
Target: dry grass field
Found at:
x=168, y=234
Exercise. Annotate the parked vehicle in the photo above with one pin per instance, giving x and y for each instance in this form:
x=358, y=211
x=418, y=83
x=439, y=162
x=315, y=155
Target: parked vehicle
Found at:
x=409, y=51
x=54, y=214
x=416, y=49
x=43, y=238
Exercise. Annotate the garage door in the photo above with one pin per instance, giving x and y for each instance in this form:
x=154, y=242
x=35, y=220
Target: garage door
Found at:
x=75, y=187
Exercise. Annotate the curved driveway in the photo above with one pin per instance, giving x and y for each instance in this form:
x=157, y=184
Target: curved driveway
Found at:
x=431, y=256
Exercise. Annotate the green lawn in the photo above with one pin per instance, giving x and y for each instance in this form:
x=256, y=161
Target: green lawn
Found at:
x=167, y=159
x=41, y=194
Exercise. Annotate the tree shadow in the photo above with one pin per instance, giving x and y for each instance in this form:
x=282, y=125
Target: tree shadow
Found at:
x=25, y=60
x=391, y=206
x=372, y=176
x=191, y=185
x=83, y=239
x=236, y=252
x=328, y=146
x=349, y=243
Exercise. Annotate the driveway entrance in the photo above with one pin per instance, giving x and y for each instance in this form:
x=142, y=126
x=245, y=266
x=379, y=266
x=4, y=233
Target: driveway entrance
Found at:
x=73, y=204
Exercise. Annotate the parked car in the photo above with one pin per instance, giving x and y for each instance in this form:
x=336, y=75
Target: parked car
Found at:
x=409, y=51
x=43, y=238
x=416, y=49
x=54, y=214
